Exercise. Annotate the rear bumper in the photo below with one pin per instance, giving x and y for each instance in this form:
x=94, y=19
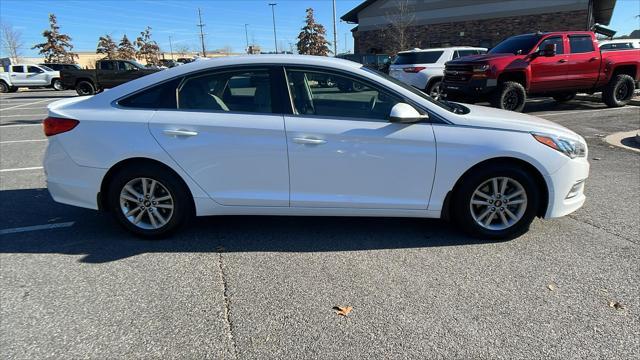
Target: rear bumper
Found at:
x=69, y=183
x=566, y=188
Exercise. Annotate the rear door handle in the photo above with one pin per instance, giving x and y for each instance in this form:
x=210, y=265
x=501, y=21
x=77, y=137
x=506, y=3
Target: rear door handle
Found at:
x=562, y=61
x=310, y=141
x=180, y=132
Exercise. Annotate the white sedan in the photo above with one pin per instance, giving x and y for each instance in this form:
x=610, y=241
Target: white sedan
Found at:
x=300, y=135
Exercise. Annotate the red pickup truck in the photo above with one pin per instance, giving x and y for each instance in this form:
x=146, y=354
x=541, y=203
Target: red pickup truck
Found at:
x=557, y=64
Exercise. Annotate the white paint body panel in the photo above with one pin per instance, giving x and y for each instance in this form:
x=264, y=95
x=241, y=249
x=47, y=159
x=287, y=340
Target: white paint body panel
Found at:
x=241, y=164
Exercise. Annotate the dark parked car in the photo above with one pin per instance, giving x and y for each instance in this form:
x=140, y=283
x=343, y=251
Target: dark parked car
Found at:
x=107, y=74
x=61, y=66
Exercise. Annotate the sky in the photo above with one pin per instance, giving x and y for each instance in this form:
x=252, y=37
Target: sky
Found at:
x=86, y=21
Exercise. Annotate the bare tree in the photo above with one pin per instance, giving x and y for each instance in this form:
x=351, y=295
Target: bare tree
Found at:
x=398, y=34
x=11, y=41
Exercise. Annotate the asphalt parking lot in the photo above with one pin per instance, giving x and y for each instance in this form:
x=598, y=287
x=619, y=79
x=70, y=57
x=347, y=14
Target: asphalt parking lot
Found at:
x=74, y=285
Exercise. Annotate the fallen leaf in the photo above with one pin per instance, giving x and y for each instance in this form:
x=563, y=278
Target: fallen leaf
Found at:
x=616, y=305
x=552, y=286
x=343, y=310
x=597, y=158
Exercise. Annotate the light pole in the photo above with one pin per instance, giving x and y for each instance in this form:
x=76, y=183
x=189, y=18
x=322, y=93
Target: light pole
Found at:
x=273, y=14
x=335, y=31
x=246, y=36
x=171, y=47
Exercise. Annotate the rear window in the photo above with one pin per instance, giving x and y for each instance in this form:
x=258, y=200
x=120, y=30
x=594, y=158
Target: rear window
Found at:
x=423, y=57
x=581, y=44
x=161, y=96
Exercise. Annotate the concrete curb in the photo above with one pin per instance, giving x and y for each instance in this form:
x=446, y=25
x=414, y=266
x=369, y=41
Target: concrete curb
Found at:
x=629, y=137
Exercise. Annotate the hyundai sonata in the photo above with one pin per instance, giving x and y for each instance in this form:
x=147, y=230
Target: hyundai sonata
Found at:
x=300, y=135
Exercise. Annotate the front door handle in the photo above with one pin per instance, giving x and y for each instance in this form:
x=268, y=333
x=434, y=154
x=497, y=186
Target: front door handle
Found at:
x=562, y=61
x=593, y=59
x=180, y=132
x=310, y=141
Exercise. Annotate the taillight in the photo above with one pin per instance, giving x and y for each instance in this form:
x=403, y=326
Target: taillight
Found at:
x=53, y=125
x=413, y=69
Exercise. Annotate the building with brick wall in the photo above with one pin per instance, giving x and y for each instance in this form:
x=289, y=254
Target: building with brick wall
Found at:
x=442, y=23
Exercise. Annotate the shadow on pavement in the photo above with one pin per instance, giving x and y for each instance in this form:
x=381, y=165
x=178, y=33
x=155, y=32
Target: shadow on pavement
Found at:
x=101, y=240
x=47, y=96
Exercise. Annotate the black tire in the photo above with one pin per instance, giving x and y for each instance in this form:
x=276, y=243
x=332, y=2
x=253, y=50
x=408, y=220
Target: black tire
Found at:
x=462, y=196
x=56, y=84
x=85, y=88
x=510, y=95
x=181, y=199
x=4, y=88
x=434, y=90
x=564, y=97
x=619, y=91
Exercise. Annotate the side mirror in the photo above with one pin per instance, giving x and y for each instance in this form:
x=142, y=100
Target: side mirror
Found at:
x=405, y=114
x=549, y=50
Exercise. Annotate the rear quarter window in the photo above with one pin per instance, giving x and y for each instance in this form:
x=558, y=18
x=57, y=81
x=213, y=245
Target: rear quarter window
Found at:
x=162, y=96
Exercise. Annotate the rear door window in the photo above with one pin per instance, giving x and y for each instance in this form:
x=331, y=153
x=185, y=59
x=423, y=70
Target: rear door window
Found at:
x=580, y=44
x=107, y=65
x=421, y=57
x=18, y=69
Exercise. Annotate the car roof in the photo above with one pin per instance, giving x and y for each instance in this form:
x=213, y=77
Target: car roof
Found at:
x=442, y=49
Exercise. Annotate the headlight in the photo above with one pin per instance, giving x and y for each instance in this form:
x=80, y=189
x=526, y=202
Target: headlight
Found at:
x=480, y=68
x=571, y=148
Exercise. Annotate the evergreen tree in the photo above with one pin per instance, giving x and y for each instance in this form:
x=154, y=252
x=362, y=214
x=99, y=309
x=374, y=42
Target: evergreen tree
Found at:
x=147, y=48
x=126, y=50
x=311, y=40
x=57, y=47
x=107, y=46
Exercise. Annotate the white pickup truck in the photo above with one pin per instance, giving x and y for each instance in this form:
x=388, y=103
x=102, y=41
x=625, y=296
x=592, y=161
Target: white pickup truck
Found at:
x=29, y=76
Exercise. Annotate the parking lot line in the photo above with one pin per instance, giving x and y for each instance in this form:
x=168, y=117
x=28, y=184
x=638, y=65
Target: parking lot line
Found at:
x=18, y=115
x=19, y=125
x=21, y=169
x=37, y=227
x=588, y=111
x=30, y=103
x=21, y=141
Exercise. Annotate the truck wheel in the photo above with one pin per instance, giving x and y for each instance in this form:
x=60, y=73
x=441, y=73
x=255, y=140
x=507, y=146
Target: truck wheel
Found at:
x=563, y=97
x=57, y=85
x=84, y=88
x=4, y=88
x=509, y=96
x=618, y=91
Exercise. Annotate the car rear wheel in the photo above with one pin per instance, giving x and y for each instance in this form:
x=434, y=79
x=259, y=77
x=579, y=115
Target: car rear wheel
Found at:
x=57, y=85
x=148, y=201
x=510, y=96
x=84, y=88
x=496, y=202
x=619, y=91
x=4, y=88
x=564, y=97
x=434, y=90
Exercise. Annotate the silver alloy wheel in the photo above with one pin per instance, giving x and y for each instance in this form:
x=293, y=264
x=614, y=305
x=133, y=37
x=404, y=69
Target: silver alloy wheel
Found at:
x=435, y=91
x=146, y=203
x=57, y=84
x=498, y=203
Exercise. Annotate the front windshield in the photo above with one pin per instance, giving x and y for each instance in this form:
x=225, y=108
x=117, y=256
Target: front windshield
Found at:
x=46, y=68
x=516, y=45
x=441, y=103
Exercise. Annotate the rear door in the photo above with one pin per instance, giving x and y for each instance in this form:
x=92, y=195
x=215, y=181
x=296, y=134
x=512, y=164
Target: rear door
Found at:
x=107, y=73
x=584, y=62
x=19, y=75
x=549, y=73
x=228, y=134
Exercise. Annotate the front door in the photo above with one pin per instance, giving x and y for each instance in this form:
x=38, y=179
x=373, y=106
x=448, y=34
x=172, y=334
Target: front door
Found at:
x=227, y=137
x=344, y=153
x=36, y=76
x=549, y=73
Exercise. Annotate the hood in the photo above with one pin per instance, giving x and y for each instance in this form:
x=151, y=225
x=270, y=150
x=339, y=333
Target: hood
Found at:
x=483, y=58
x=482, y=116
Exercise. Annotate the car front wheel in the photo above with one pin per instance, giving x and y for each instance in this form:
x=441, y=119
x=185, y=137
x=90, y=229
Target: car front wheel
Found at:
x=496, y=202
x=84, y=88
x=149, y=201
x=510, y=96
x=57, y=85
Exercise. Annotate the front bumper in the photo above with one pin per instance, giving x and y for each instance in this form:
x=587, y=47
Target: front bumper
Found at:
x=566, y=188
x=470, y=89
x=68, y=182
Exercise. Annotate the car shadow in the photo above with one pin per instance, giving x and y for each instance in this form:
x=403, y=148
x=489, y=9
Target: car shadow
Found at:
x=98, y=239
